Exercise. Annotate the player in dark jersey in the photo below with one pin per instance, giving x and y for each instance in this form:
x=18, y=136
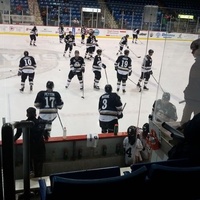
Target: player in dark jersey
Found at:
x=48, y=102
x=33, y=35
x=123, y=42
x=96, y=67
x=27, y=67
x=83, y=34
x=61, y=32
x=123, y=66
x=146, y=70
x=136, y=32
x=77, y=67
x=91, y=43
x=110, y=110
x=69, y=43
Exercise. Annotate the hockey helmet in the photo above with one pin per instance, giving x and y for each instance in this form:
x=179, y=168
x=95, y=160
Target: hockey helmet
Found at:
x=26, y=53
x=127, y=36
x=132, y=132
x=108, y=88
x=99, y=51
x=50, y=85
x=145, y=128
x=126, y=52
x=195, y=45
x=166, y=96
x=151, y=51
x=70, y=32
x=31, y=112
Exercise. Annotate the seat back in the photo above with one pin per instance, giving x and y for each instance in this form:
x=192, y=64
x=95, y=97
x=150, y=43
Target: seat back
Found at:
x=177, y=181
x=91, y=188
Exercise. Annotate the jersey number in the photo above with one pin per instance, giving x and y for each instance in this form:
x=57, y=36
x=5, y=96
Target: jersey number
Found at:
x=124, y=63
x=28, y=62
x=49, y=102
x=105, y=104
x=128, y=152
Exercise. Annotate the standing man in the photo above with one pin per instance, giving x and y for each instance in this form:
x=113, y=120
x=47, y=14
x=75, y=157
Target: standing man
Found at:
x=123, y=42
x=136, y=32
x=191, y=92
x=83, y=34
x=110, y=110
x=123, y=66
x=77, y=67
x=96, y=67
x=33, y=35
x=38, y=136
x=27, y=67
x=146, y=70
x=48, y=102
x=69, y=43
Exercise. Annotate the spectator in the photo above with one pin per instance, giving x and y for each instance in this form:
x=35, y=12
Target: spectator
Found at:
x=75, y=22
x=38, y=136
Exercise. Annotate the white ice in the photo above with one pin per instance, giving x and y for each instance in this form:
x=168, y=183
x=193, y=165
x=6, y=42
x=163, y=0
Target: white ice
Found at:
x=172, y=61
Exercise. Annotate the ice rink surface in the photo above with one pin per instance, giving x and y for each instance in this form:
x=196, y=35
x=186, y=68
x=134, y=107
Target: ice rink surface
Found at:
x=172, y=61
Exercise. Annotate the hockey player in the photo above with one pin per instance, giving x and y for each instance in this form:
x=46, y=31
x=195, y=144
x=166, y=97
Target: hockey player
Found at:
x=146, y=70
x=136, y=32
x=69, y=43
x=110, y=110
x=163, y=110
x=27, y=67
x=77, y=67
x=132, y=147
x=33, y=35
x=96, y=67
x=123, y=42
x=142, y=135
x=48, y=102
x=83, y=34
x=123, y=66
x=91, y=43
x=61, y=32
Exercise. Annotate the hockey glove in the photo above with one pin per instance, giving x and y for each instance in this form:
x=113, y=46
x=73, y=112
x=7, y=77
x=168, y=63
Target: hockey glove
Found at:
x=97, y=45
x=104, y=66
x=19, y=73
x=74, y=44
x=120, y=115
x=127, y=47
x=151, y=73
x=130, y=73
x=36, y=35
x=83, y=69
x=116, y=68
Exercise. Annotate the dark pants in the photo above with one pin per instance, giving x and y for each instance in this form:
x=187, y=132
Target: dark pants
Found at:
x=108, y=127
x=30, y=77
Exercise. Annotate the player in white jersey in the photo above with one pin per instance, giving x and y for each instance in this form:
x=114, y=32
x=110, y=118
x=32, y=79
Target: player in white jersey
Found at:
x=136, y=32
x=33, y=35
x=61, y=33
x=132, y=146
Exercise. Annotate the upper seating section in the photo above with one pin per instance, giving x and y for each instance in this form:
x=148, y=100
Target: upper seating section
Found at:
x=19, y=7
x=60, y=10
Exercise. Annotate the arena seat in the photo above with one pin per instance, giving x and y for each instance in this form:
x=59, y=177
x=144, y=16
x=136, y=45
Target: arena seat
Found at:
x=179, y=182
x=92, y=188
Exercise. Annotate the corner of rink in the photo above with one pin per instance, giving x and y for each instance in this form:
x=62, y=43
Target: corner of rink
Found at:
x=80, y=116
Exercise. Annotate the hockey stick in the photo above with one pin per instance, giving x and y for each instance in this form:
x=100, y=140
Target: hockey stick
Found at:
x=83, y=89
x=60, y=121
x=140, y=89
x=183, y=101
x=134, y=54
x=12, y=76
x=124, y=106
x=157, y=82
x=106, y=75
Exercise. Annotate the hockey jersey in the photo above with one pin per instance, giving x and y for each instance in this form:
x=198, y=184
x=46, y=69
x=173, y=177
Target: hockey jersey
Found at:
x=83, y=31
x=136, y=31
x=27, y=64
x=110, y=107
x=91, y=41
x=77, y=64
x=70, y=39
x=123, y=41
x=61, y=31
x=97, y=63
x=147, y=63
x=123, y=65
x=34, y=31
